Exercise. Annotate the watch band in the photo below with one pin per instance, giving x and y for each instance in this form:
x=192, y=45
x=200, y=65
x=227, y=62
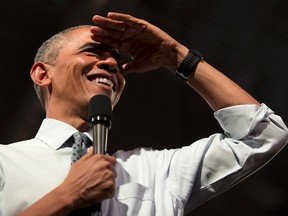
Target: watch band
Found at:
x=189, y=63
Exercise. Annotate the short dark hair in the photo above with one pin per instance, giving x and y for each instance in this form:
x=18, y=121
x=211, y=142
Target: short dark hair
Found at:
x=49, y=50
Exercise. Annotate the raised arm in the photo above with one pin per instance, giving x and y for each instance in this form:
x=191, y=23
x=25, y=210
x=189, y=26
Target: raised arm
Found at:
x=253, y=135
x=152, y=48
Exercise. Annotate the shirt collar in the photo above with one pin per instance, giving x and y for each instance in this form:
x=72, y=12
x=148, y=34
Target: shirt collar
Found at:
x=54, y=132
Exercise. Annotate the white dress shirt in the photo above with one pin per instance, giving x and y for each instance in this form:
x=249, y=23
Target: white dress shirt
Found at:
x=149, y=182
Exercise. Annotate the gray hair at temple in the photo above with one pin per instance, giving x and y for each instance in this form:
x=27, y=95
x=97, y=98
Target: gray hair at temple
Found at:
x=49, y=50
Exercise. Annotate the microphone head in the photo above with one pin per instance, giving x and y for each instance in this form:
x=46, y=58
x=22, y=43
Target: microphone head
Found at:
x=100, y=111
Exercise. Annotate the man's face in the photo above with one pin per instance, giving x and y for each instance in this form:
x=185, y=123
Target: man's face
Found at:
x=85, y=68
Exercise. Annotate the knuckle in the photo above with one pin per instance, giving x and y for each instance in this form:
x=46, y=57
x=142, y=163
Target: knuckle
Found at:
x=109, y=189
x=111, y=192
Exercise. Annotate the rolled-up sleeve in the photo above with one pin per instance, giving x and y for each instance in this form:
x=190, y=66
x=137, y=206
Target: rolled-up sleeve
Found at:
x=252, y=136
x=257, y=128
x=1, y=191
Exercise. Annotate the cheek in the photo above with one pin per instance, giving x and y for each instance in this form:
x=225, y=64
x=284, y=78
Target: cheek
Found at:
x=68, y=77
x=121, y=81
x=76, y=65
x=84, y=64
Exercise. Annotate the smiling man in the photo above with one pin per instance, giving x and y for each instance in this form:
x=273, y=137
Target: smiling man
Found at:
x=81, y=62
x=78, y=69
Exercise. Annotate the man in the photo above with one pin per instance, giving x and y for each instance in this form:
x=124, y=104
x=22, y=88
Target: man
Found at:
x=36, y=177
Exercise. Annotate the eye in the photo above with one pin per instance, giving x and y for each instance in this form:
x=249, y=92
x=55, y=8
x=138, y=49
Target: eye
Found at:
x=91, y=50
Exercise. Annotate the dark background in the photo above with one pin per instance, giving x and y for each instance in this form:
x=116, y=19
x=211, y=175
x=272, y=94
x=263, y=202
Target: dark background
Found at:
x=246, y=40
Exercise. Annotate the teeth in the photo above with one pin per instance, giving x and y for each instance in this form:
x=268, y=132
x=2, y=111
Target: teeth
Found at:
x=103, y=80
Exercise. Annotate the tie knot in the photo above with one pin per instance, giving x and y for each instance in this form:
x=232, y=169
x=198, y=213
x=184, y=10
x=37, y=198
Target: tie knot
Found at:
x=86, y=140
x=82, y=138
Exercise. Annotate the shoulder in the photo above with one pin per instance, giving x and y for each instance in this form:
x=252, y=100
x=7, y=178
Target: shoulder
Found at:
x=19, y=144
x=20, y=147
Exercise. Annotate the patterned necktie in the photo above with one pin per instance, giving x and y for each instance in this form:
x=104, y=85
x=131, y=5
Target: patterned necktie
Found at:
x=80, y=146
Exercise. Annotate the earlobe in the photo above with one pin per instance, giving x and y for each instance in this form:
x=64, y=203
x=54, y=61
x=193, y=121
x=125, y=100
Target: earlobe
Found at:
x=39, y=74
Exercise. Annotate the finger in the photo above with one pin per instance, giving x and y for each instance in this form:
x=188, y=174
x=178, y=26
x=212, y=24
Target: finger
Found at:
x=88, y=155
x=108, y=23
x=139, y=65
x=112, y=42
x=90, y=150
x=111, y=168
x=123, y=34
x=123, y=69
x=133, y=67
x=131, y=23
x=112, y=160
x=127, y=19
x=96, y=30
x=109, y=159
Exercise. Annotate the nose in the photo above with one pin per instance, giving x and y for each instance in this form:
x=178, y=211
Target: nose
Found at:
x=108, y=63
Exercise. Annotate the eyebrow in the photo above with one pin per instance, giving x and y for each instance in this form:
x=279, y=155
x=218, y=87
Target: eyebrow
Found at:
x=91, y=44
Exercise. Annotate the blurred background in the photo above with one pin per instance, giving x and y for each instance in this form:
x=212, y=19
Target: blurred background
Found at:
x=246, y=40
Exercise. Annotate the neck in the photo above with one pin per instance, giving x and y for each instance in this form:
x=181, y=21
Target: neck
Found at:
x=76, y=119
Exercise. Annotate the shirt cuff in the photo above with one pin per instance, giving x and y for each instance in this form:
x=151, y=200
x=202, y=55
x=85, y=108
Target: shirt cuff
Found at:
x=240, y=120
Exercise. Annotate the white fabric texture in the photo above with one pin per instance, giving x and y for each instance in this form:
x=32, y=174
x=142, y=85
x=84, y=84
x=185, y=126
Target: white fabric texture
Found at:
x=149, y=182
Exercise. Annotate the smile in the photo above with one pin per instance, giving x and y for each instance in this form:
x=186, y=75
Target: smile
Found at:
x=103, y=80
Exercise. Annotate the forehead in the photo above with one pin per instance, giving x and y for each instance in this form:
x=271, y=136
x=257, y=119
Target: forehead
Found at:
x=77, y=37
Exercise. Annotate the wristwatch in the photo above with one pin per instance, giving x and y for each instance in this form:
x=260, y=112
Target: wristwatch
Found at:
x=189, y=63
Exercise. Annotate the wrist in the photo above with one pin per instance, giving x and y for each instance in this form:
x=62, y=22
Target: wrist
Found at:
x=67, y=198
x=176, y=56
x=57, y=202
x=189, y=64
x=181, y=54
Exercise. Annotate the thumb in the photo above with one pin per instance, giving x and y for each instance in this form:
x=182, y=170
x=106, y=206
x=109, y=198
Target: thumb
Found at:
x=133, y=67
x=125, y=69
x=89, y=154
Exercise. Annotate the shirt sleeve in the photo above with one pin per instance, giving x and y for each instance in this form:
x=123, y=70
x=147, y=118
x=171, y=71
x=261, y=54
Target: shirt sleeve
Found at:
x=252, y=137
x=1, y=191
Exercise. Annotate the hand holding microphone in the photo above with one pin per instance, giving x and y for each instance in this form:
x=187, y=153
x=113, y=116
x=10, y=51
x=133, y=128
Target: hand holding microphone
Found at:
x=100, y=119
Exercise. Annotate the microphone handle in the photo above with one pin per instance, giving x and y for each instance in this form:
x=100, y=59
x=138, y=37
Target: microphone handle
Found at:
x=100, y=136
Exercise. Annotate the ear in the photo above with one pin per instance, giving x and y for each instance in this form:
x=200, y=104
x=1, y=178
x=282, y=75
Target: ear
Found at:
x=39, y=74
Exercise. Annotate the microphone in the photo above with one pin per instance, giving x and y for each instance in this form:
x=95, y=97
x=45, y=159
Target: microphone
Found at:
x=100, y=119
